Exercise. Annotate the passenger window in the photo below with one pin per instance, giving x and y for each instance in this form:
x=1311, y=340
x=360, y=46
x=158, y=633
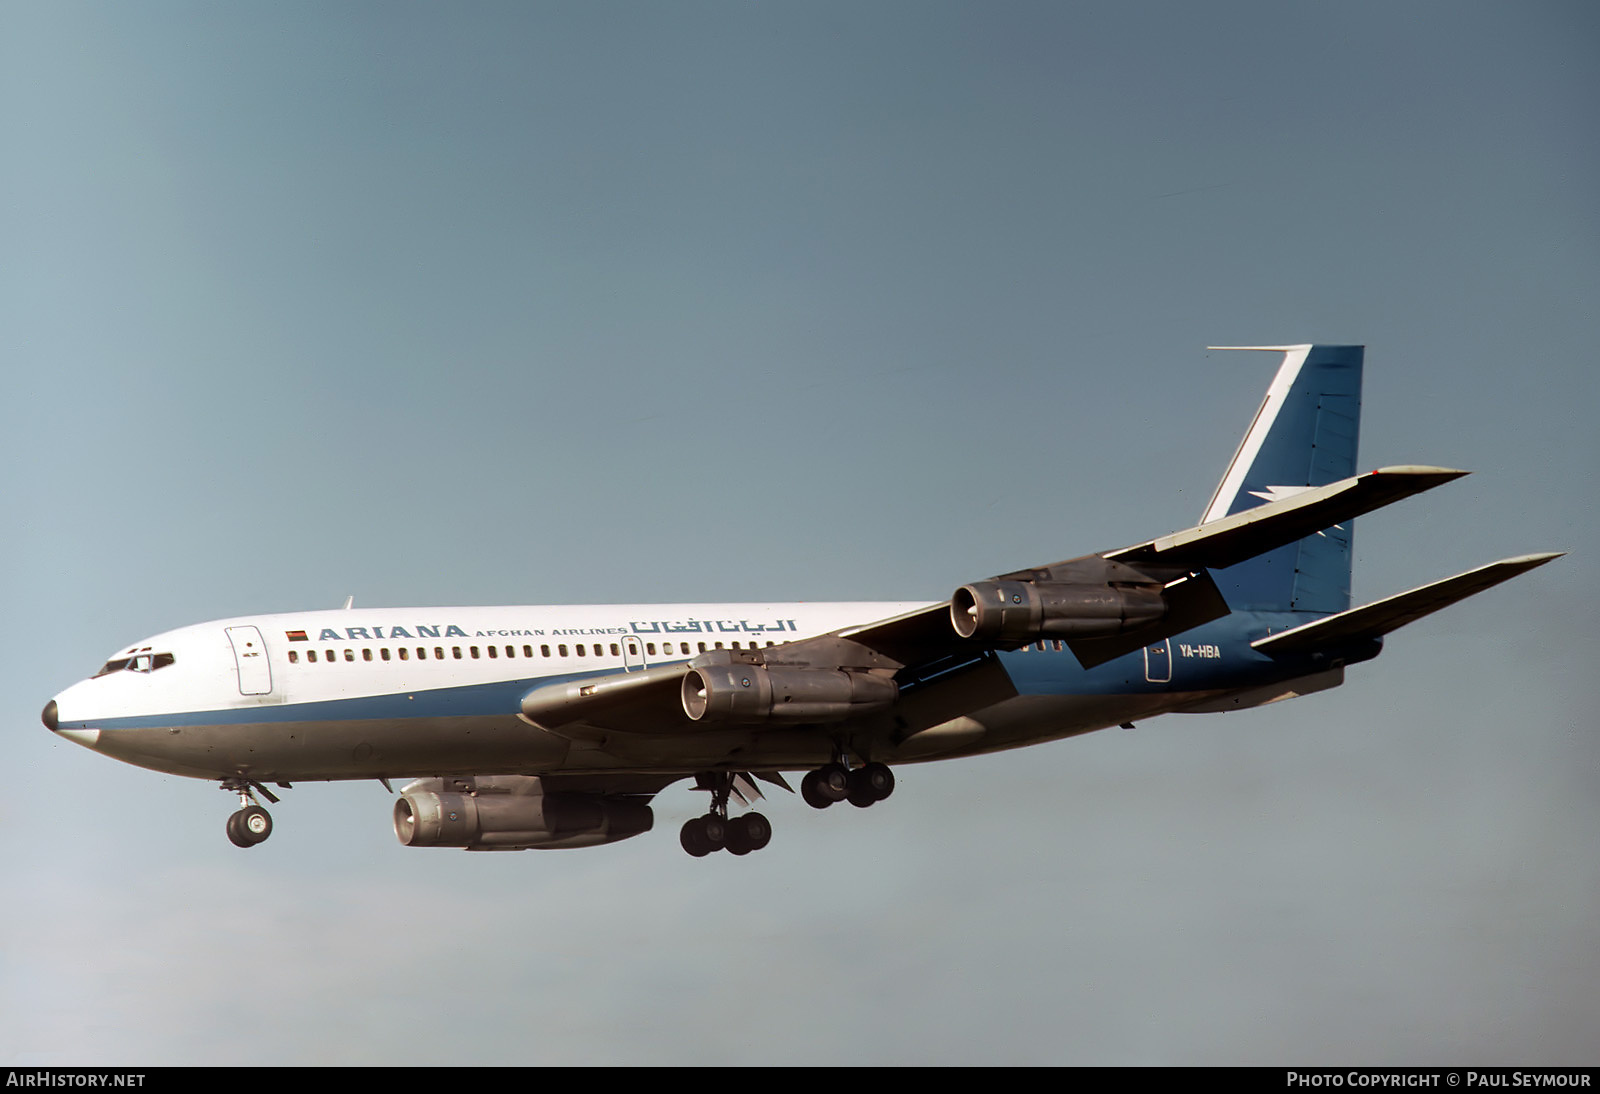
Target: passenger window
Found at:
x=650, y=648
x=438, y=652
x=615, y=650
x=702, y=647
x=457, y=651
x=511, y=651
x=349, y=655
x=384, y=653
x=366, y=655
x=475, y=653
x=563, y=649
x=405, y=654
x=311, y=656
x=580, y=649
x=544, y=651
x=527, y=651
x=294, y=657
x=494, y=652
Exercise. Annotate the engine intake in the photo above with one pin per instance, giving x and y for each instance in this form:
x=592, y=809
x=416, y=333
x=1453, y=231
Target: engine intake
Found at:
x=1025, y=611
x=743, y=693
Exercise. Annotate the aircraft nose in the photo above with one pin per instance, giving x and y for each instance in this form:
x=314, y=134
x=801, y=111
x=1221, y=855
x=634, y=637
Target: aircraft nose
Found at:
x=51, y=717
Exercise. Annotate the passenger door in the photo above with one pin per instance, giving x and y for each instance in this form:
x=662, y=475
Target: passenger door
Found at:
x=250, y=657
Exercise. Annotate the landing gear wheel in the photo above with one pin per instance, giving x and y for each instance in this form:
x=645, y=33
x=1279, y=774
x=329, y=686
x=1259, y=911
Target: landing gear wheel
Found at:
x=256, y=823
x=869, y=784
x=715, y=829
x=757, y=830
x=880, y=778
x=833, y=781
x=693, y=838
x=812, y=792
x=249, y=826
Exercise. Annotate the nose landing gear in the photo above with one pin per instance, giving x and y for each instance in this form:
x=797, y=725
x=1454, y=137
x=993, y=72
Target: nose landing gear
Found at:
x=251, y=824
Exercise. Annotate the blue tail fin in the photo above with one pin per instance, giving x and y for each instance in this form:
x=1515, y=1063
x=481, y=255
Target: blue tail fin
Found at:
x=1304, y=435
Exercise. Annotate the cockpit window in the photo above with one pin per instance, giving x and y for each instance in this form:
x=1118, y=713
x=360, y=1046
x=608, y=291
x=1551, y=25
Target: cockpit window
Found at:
x=140, y=662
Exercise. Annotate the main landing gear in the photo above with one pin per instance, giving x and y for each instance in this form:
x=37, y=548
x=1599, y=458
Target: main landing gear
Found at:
x=716, y=831
x=251, y=824
x=833, y=782
x=861, y=786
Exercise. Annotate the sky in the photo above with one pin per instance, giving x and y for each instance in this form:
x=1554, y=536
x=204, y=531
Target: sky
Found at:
x=625, y=302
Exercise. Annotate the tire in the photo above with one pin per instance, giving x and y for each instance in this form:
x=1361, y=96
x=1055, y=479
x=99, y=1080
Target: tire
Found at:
x=236, y=835
x=811, y=793
x=879, y=778
x=861, y=794
x=833, y=782
x=693, y=838
x=255, y=824
x=757, y=830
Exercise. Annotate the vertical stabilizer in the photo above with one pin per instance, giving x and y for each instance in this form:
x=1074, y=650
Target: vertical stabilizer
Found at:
x=1303, y=435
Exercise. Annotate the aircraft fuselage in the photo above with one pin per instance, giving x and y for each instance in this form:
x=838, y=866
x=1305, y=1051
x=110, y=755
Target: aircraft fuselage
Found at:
x=425, y=692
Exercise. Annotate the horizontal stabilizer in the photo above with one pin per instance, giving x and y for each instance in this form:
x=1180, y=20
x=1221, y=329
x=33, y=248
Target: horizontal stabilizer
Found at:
x=1379, y=618
x=1219, y=544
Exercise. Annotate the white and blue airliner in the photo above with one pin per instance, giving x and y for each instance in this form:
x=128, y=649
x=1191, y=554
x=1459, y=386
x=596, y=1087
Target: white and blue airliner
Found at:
x=543, y=727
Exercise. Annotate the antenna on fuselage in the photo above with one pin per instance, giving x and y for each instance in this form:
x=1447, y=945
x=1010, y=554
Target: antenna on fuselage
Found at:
x=349, y=602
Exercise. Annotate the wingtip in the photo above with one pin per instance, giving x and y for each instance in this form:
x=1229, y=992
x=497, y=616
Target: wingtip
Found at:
x=1528, y=562
x=1422, y=470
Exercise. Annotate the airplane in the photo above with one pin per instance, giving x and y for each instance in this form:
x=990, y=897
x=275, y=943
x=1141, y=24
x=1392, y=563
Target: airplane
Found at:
x=553, y=727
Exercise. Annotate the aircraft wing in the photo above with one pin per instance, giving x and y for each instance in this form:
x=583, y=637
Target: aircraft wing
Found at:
x=1178, y=562
x=1380, y=617
x=924, y=653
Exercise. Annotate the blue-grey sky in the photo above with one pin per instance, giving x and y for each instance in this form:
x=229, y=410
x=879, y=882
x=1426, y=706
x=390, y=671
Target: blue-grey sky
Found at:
x=531, y=303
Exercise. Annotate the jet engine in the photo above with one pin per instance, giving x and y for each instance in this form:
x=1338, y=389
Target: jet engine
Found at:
x=745, y=693
x=512, y=813
x=1026, y=611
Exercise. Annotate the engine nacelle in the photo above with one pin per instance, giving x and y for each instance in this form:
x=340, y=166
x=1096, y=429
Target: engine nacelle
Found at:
x=1026, y=611
x=511, y=818
x=743, y=693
